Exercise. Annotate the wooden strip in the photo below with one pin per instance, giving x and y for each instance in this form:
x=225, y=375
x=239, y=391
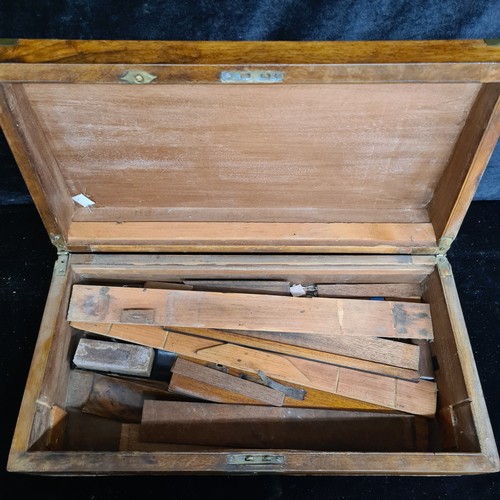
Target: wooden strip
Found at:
x=241, y=286
x=252, y=234
x=425, y=364
x=373, y=349
x=394, y=290
x=316, y=316
x=295, y=74
x=348, y=361
x=282, y=214
x=275, y=428
x=161, y=285
x=220, y=387
x=470, y=157
x=275, y=366
x=247, y=52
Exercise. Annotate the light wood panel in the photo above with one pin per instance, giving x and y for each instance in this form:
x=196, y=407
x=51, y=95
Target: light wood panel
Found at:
x=271, y=313
x=208, y=148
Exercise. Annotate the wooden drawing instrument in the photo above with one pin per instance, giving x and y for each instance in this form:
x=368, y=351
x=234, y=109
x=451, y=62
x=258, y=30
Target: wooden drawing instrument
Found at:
x=314, y=316
x=192, y=379
x=275, y=428
x=411, y=397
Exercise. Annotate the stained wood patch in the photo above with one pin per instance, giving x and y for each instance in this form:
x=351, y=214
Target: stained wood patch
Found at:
x=316, y=316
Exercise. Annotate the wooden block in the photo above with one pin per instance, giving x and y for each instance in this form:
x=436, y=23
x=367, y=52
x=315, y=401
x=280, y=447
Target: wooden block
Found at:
x=425, y=364
x=195, y=380
x=275, y=428
x=315, y=316
x=111, y=397
x=243, y=286
x=387, y=290
x=114, y=357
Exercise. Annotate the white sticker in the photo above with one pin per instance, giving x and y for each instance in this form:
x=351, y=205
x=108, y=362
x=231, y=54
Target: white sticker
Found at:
x=82, y=200
x=297, y=290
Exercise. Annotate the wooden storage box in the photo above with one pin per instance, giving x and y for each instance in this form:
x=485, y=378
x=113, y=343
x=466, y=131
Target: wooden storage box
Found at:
x=331, y=162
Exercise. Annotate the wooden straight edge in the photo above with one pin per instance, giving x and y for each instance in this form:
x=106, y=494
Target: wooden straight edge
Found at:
x=238, y=311
x=228, y=387
x=246, y=52
x=292, y=74
x=267, y=287
x=35, y=160
x=411, y=397
x=471, y=377
x=313, y=355
x=251, y=234
x=467, y=163
x=310, y=463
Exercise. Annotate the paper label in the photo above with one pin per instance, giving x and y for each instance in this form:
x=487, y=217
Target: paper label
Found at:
x=297, y=290
x=82, y=200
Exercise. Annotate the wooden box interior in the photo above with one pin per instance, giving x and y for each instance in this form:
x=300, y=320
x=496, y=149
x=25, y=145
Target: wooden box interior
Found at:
x=50, y=439
x=331, y=168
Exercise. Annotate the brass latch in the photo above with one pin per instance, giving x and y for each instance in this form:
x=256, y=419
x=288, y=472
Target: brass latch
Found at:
x=138, y=77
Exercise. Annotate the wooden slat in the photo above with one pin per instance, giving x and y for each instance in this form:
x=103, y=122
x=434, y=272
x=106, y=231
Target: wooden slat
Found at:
x=192, y=379
x=470, y=157
x=390, y=290
x=275, y=428
x=246, y=52
x=349, y=360
x=222, y=236
x=316, y=316
x=247, y=286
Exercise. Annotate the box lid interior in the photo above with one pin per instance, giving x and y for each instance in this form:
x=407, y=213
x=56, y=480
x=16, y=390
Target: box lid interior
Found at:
x=335, y=166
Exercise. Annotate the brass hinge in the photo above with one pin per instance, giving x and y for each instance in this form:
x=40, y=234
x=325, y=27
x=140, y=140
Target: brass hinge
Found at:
x=443, y=266
x=444, y=245
x=61, y=266
x=58, y=241
x=495, y=42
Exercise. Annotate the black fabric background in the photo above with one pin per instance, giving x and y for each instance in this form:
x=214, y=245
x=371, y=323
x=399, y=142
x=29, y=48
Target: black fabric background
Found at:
x=26, y=256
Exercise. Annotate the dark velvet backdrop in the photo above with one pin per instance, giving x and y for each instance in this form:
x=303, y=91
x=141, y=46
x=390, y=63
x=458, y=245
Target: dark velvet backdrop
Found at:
x=26, y=256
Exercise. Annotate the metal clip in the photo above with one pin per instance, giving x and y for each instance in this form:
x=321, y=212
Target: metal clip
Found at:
x=61, y=265
x=254, y=76
x=255, y=459
x=137, y=77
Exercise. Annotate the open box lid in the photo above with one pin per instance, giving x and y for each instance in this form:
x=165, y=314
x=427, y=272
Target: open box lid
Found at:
x=340, y=147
